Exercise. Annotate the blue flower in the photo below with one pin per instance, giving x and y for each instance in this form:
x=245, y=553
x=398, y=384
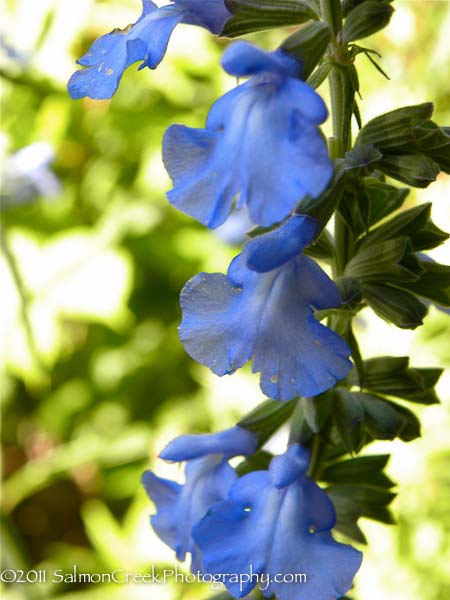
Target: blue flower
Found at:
x=146, y=40
x=263, y=308
x=208, y=480
x=278, y=522
x=261, y=143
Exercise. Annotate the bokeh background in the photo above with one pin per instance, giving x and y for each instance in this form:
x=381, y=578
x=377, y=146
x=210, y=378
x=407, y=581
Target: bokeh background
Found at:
x=94, y=380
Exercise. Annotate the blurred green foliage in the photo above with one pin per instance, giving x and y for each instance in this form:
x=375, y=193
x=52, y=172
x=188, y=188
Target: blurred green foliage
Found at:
x=94, y=379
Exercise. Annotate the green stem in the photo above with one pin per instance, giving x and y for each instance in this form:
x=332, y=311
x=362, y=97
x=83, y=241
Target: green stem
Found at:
x=342, y=103
x=24, y=300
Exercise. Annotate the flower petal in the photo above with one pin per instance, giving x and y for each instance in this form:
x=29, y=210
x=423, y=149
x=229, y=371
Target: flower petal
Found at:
x=236, y=153
x=243, y=59
x=226, y=320
x=235, y=441
x=261, y=528
x=165, y=494
x=270, y=250
x=114, y=52
x=211, y=14
x=208, y=481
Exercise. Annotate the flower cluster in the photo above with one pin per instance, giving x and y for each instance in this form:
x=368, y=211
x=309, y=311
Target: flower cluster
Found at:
x=272, y=522
x=262, y=159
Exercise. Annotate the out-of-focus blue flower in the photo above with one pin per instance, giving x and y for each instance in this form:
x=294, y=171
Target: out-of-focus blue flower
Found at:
x=27, y=175
x=146, y=40
x=263, y=308
x=208, y=480
x=261, y=143
x=278, y=522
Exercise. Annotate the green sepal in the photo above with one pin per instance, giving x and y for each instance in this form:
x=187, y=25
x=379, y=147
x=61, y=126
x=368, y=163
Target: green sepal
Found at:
x=304, y=423
x=361, y=157
x=440, y=150
x=322, y=208
x=414, y=223
x=383, y=199
x=266, y=418
x=349, y=5
x=363, y=500
x=385, y=420
x=382, y=419
x=316, y=78
x=364, y=469
x=396, y=306
x=416, y=170
x=388, y=261
x=348, y=414
x=258, y=15
x=394, y=130
x=322, y=248
x=308, y=44
x=350, y=291
x=392, y=376
x=433, y=284
x=365, y=19
x=256, y=462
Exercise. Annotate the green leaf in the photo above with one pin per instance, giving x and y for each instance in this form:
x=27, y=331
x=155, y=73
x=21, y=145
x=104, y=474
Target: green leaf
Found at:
x=365, y=19
x=392, y=376
x=385, y=261
x=348, y=414
x=350, y=291
x=362, y=156
x=411, y=425
x=322, y=208
x=383, y=199
x=394, y=305
x=322, y=248
x=349, y=5
x=308, y=44
x=266, y=418
x=257, y=15
x=428, y=237
x=433, y=284
x=440, y=152
x=305, y=422
x=362, y=500
x=381, y=419
x=394, y=129
x=416, y=170
x=407, y=223
x=257, y=462
x=316, y=79
x=365, y=469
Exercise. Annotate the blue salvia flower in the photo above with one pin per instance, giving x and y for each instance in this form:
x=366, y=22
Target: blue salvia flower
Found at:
x=263, y=308
x=261, y=144
x=146, y=41
x=278, y=522
x=208, y=480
